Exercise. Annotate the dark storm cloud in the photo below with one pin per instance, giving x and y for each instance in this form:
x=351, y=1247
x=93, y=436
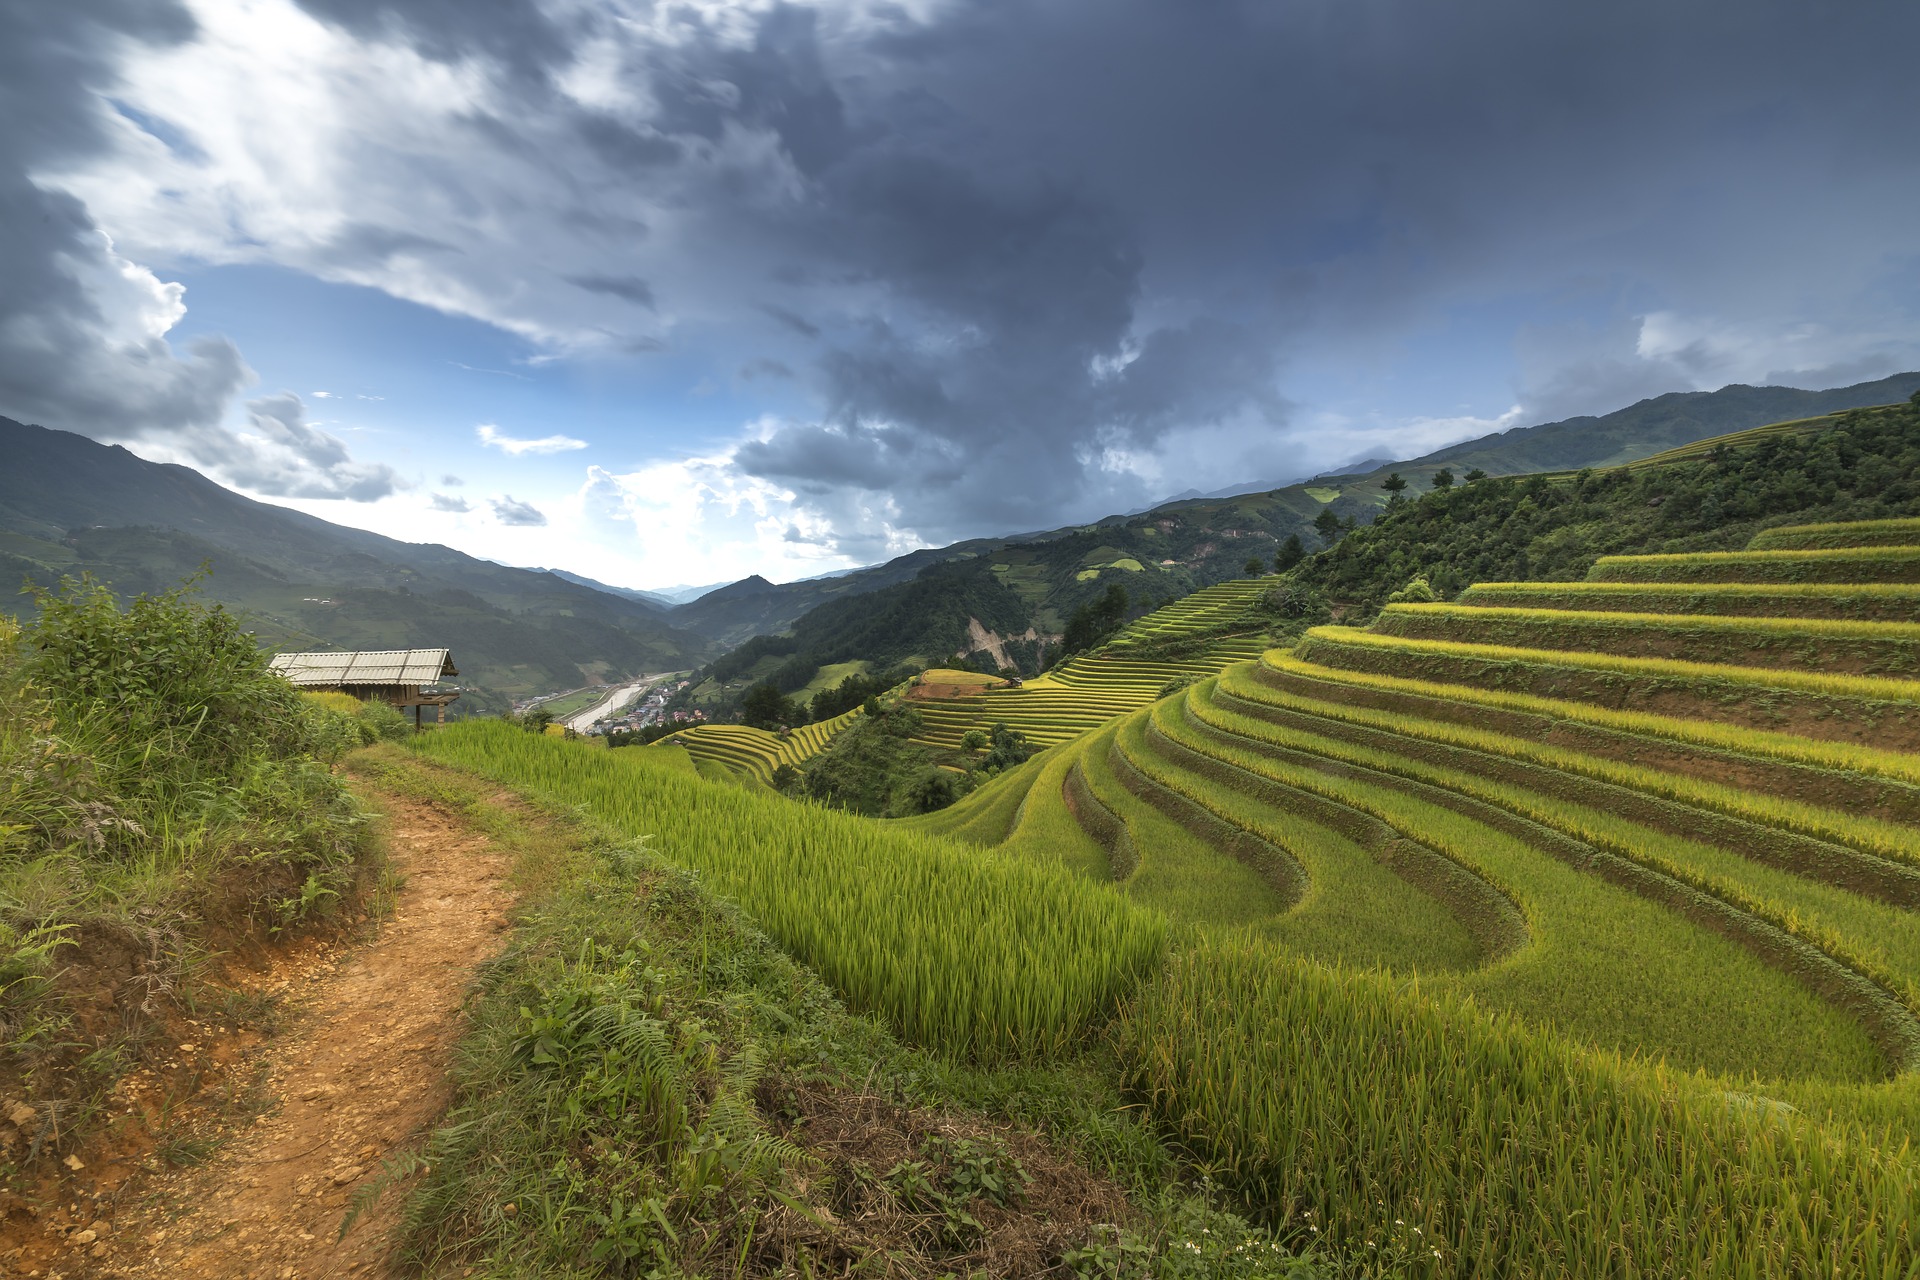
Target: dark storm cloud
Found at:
x=626, y=288
x=516, y=33
x=284, y=455
x=80, y=327
x=1105, y=224
x=74, y=352
x=1029, y=257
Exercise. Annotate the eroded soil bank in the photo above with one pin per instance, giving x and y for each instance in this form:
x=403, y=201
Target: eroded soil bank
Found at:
x=361, y=1075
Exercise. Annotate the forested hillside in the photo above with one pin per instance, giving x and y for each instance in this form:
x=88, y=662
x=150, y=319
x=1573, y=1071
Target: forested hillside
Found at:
x=920, y=605
x=69, y=505
x=1860, y=465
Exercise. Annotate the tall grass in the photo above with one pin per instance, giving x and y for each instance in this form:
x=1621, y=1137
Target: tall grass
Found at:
x=1362, y=1110
x=151, y=766
x=1841, y=565
x=1826, y=537
x=977, y=955
x=1836, y=646
x=1865, y=602
x=1861, y=688
x=1871, y=761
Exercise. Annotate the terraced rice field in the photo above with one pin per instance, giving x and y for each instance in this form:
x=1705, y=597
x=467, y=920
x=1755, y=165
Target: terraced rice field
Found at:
x=1093, y=688
x=1671, y=813
x=756, y=753
x=1525, y=935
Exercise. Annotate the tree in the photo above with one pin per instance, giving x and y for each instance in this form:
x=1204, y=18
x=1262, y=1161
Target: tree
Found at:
x=765, y=707
x=1292, y=552
x=786, y=779
x=1417, y=591
x=1476, y=474
x=973, y=740
x=1443, y=479
x=933, y=790
x=1008, y=748
x=1393, y=484
x=1092, y=622
x=1255, y=566
x=1329, y=526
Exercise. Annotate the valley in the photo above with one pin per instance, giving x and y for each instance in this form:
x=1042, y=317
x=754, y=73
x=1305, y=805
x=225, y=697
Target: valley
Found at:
x=1380, y=897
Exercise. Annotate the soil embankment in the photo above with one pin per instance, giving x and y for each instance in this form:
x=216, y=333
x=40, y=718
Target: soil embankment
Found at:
x=361, y=1077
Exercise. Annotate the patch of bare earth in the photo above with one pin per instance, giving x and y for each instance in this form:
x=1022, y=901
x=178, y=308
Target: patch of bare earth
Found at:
x=363, y=1076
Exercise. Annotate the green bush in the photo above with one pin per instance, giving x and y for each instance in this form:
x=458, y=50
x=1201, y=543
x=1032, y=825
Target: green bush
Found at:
x=151, y=761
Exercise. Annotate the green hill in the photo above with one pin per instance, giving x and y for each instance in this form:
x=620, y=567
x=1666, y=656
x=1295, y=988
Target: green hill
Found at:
x=923, y=605
x=70, y=505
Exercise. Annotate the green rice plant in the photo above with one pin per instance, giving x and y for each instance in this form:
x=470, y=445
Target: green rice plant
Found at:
x=1858, y=688
x=1874, y=947
x=1829, y=537
x=976, y=954
x=1351, y=904
x=1359, y=1108
x=1830, y=905
x=1617, y=957
x=1755, y=810
x=1179, y=871
x=1860, y=602
x=1845, y=757
x=984, y=816
x=1830, y=646
x=1848, y=565
x=1860, y=708
x=1045, y=831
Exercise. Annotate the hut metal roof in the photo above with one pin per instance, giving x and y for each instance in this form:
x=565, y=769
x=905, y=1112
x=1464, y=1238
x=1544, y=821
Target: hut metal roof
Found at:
x=366, y=666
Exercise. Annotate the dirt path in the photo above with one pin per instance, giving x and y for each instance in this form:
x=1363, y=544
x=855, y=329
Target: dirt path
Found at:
x=362, y=1077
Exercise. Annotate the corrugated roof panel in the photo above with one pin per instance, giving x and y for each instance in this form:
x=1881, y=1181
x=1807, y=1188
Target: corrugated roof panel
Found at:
x=366, y=666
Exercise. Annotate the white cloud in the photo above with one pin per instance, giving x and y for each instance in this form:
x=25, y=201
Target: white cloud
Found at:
x=509, y=510
x=491, y=436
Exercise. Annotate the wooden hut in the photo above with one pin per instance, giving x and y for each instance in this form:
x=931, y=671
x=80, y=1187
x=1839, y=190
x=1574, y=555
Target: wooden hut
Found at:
x=398, y=677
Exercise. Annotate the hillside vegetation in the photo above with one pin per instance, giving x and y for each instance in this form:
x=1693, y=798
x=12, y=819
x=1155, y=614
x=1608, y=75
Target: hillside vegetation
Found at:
x=70, y=506
x=163, y=795
x=1861, y=465
x=1559, y=928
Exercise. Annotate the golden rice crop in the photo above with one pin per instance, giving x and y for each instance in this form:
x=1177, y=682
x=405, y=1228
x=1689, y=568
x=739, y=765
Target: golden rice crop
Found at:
x=1849, y=565
x=1897, y=765
x=1887, y=839
x=974, y=954
x=1870, y=601
x=1864, y=688
x=1826, y=537
x=1372, y=1114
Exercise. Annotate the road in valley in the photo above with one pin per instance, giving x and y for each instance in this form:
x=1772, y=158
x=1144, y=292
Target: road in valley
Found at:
x=611, y=703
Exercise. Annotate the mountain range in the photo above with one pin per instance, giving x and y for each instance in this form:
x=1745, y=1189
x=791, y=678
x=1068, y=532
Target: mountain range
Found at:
x=69, y=504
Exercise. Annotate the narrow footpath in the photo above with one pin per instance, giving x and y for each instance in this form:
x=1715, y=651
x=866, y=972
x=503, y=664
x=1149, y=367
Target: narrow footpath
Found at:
x=362, y=1077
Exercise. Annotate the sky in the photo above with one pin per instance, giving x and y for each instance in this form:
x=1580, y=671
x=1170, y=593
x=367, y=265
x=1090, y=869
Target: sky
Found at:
x=670, y=293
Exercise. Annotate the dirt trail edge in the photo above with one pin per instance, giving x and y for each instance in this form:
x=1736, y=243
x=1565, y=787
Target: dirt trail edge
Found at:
x=362, y=1077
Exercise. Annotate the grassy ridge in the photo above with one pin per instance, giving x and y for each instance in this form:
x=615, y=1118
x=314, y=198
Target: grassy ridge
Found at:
x=1615, y=960
x=1860, y=602
x=977, y=955
x=1826, y=537
x=1893, y=841
x=1843, y=565
x=1874, y=948
x=1848, y=757
x=1834, y=646
x=1859, y=709
x=1366, y=1111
